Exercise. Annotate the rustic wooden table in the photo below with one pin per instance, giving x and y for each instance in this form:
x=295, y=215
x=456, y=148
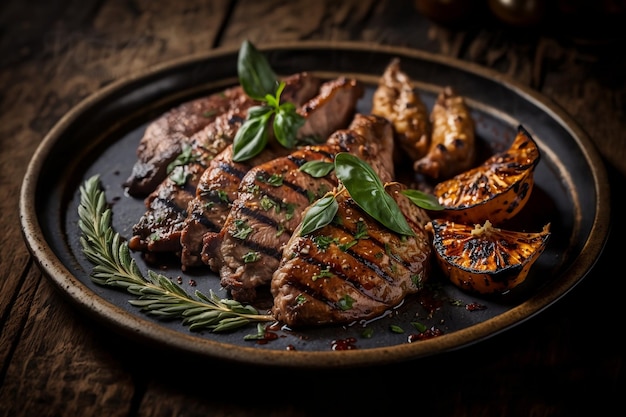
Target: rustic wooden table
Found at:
x=567, y=361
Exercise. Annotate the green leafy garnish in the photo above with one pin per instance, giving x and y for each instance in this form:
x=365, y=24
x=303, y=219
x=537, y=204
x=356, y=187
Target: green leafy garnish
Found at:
x=317, y=169
x=319, y=214
x=156, y=294
x=255, y=74
x=260, y=83
x=368, y=191
x=423, y=200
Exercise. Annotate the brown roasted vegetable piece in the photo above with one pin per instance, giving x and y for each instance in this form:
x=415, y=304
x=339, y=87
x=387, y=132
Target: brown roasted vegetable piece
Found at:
x=397, y=100
x=452, y=147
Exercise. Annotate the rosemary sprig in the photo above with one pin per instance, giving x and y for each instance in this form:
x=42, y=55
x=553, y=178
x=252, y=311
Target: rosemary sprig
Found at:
x=156, y=294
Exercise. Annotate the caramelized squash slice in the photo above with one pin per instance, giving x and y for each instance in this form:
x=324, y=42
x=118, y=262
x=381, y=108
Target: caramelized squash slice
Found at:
x=495, y=190
x=485, y=259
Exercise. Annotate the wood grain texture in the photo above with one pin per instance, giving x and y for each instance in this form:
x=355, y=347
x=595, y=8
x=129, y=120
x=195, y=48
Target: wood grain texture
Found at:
x=569, y=361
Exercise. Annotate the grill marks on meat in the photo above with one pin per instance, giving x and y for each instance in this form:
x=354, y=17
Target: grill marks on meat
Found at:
x=160, y=228
x=272, y=198
x=352, y=269
x=265, y=214
x=215, y=193
x=328, y=111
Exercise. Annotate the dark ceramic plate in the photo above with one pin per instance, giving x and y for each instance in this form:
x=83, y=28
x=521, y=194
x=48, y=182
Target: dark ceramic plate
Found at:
x=100, y=136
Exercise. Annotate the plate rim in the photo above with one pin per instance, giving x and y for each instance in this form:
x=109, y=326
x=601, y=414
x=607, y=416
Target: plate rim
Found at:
x=143, y=329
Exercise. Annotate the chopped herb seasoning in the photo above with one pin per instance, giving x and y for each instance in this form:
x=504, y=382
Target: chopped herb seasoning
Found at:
x=323, y=242
x=345, y=246
x=345, y=302
x=367, y=333
x=419, y=326
x=242, y=229
x=223, y=196
x=417, y=280
x=300, y=299
x=275, y=180
x=179, y=176
x=184, y=158
x=251, y=257
x=396, y=329
x=267, y=203
x=324, y=273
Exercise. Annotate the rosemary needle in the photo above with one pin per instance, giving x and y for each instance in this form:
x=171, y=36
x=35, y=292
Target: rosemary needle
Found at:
x=156, y=294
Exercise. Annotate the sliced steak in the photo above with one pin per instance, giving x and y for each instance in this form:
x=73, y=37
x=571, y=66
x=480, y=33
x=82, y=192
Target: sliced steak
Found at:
x=165, y=138
x=271, y=200
x=159, y=229
x=208, y=209
x=352, y=269
x=330, y=110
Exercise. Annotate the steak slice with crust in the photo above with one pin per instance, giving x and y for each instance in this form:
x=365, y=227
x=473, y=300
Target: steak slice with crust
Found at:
x=352, y=269
x=165, y=138
x=271, y=200
x=331, y=109
x=159, y=229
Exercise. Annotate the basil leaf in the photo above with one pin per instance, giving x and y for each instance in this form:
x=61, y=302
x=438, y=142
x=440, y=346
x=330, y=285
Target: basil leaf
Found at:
x=319, y=214
x=259, y=111
x=367, y=190
x=251, y=138
x=255, y=74
x=286, y=125
x=317, y=169
x=423, y=200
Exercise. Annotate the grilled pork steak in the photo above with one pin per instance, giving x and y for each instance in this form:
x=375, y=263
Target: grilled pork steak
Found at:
x=159, y=229
x=352, y=269
x=328, y=111
x=165, y=137
x=272, y=197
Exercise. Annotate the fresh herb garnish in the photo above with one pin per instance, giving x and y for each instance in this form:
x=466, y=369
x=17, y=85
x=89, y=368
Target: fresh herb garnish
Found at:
x=367, y=191
x=319, y=214
x=260, y=83
x=317, y=169
x=423, y=200
x=156, y=294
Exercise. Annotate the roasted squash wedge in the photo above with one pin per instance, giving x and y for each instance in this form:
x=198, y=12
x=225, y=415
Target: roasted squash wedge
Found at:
x=495, y=190
x=485, y=259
